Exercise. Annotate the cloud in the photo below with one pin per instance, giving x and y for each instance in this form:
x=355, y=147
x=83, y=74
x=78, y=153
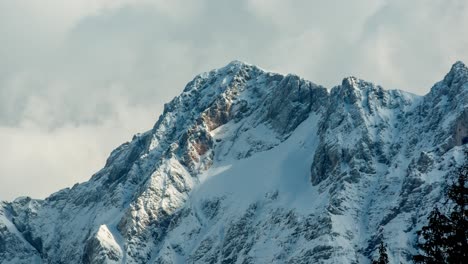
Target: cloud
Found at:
x=77, y=82
x=411, y=44
x=37, y=160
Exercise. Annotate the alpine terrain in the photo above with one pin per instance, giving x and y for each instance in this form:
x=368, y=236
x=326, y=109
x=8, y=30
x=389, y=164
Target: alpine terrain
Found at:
x=250, y=166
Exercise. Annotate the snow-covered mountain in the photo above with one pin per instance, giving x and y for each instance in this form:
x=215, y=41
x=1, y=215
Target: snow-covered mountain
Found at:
x=249, y=166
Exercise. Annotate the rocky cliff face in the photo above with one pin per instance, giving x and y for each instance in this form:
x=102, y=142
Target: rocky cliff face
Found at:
x=248, y=166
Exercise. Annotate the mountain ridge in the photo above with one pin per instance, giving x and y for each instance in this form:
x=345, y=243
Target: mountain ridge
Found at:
x=181, y=192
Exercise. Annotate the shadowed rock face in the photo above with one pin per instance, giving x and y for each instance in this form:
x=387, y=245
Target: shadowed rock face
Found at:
x=248, y=166
x=355, y=130
x=101, y=248
x=292, y=101
x=460, y=133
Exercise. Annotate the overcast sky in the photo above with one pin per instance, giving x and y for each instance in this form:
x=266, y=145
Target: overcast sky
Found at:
x=78, y=78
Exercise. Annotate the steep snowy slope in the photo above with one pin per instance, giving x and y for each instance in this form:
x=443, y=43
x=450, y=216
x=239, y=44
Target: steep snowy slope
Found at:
x=248, y=166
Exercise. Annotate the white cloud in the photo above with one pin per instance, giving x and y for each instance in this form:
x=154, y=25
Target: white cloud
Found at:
x=37, y=160
x=80, y=77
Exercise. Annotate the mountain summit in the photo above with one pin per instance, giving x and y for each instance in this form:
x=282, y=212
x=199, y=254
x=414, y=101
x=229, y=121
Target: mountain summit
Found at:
x=249, y=166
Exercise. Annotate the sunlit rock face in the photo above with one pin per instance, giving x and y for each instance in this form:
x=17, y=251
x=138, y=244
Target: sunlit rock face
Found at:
x=249, y=166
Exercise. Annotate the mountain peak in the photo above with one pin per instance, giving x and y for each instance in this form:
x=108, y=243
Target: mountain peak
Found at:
x=235, y=65
x=238, y=63
x=453, y=83
x=351, y=89
x=457, y=72
x=350, y=82
x=243, y=155
x=458, y=65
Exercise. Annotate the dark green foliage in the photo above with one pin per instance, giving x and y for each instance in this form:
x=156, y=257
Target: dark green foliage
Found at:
x=383, y=256
x=445, y=237
x=435, y=239
x=457, y=242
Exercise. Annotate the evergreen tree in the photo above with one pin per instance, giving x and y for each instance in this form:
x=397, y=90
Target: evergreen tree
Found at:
x=435, y=239
x=445, y=238
x=457, y=241
x=383, y=256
